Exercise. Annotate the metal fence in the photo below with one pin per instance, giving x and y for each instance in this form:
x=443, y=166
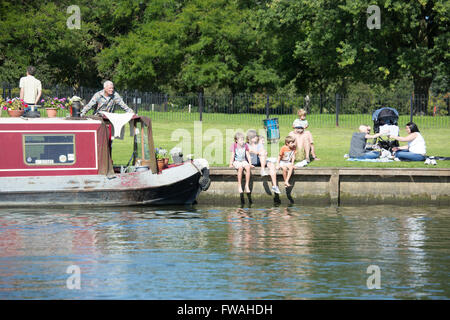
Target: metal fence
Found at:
x=324, y=110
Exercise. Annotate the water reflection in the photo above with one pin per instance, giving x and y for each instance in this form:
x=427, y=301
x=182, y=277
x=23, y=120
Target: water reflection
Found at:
x=225, y=253
x=275, y=239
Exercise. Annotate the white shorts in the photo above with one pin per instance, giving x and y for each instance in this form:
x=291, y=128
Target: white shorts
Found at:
x=240, y=164
x=284, y=163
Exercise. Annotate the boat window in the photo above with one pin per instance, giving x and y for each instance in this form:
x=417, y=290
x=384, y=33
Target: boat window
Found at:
x=49, y=149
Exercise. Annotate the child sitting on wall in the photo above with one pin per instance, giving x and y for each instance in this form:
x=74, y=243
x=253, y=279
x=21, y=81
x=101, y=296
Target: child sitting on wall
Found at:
x=285, y=161
x=238, y=160
x=258, y=154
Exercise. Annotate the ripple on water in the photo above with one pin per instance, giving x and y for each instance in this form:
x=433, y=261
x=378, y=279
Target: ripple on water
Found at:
x=225, y=253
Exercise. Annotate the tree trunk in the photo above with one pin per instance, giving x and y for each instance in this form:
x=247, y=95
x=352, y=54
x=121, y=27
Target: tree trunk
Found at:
x=421, y=89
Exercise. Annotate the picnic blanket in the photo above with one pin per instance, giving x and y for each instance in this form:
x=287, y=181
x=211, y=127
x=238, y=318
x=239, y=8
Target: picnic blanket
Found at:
x=371, y=160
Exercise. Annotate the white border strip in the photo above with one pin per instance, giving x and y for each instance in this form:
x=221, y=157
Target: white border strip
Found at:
x=48, y=169
x=50, y=130
x=56, y=120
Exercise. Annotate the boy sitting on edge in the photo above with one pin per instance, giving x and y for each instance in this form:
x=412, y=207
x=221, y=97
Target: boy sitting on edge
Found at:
x=285, y=161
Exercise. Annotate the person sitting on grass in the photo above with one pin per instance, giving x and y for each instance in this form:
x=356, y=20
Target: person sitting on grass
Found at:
x=358, y=144
x=305, y=140
x=302, y=142
x=258, y=154
x=239, y=153
x=416, y=148
x=285, y=161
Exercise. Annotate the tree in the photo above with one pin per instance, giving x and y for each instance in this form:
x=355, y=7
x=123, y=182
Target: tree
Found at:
x=412, y=41
x=37, y=34
x=422, y=42
x=192, y=46
x=328, y=41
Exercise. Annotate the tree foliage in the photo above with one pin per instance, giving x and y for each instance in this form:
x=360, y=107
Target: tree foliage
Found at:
x=38, y=35
x=228, y=45
x=329, y=42
x=192, y=46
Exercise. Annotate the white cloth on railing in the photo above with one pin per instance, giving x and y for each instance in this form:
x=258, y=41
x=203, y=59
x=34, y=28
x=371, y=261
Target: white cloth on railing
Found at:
x=118, y=120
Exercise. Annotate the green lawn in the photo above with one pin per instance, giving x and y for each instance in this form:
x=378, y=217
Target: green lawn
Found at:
x=315, y=120
x=331, y=142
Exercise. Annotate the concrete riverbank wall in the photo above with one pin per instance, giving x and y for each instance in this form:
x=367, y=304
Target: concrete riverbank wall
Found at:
x=335, y=186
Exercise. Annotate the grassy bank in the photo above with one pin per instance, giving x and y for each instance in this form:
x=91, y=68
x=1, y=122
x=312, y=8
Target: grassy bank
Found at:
x=315, y=120
x=331, y=142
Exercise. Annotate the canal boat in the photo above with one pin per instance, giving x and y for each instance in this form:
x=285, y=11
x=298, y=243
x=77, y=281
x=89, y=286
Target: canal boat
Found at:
x=67, y=161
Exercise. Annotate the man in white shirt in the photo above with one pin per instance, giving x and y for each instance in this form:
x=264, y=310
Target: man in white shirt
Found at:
x=30, y=87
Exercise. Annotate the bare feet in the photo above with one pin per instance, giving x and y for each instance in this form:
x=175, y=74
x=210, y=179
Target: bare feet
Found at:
x=240, y=190
x=247, y=189
x=286, y=184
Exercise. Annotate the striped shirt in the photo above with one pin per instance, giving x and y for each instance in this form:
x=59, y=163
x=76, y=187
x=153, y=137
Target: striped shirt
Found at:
x=105, y=103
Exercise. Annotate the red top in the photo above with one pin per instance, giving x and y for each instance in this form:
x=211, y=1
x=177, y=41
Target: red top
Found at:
x=286, y=153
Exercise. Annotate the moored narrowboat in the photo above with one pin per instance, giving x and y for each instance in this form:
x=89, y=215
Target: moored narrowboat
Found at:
x=67, y=161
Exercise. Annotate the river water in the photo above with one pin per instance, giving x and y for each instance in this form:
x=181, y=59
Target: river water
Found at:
x=378, y=252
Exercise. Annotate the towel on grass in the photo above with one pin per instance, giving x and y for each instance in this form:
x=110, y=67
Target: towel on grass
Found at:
x=371, y=160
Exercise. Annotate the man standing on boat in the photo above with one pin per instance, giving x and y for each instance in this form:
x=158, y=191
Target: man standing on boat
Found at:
x=30, y=88
x=106, y=100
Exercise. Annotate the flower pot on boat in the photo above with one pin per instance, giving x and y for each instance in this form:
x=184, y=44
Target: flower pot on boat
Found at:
x=51, y=112
x=15, y=107
x=16, y=113
x=160, y=163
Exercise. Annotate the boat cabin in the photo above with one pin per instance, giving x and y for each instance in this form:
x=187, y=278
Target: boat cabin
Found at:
x=65, y=146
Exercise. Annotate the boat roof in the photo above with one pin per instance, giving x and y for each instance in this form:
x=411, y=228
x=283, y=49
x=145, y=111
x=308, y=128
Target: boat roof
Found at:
x=23, y=120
